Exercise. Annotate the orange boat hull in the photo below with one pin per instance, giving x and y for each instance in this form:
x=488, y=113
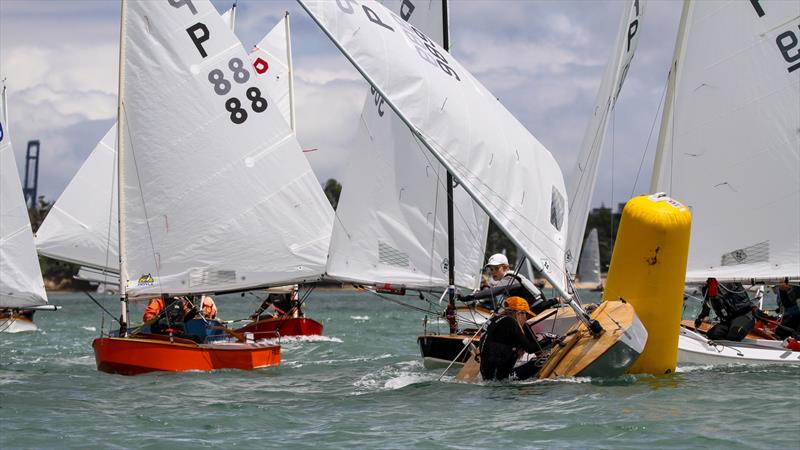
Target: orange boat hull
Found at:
x=136, y=355
x=273, y=327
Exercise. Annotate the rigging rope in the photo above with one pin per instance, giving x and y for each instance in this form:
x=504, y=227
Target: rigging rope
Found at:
x=649, y=136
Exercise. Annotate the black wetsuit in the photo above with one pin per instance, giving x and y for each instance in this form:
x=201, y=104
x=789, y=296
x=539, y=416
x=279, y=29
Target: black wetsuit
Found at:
x=500, y=347
x=789, y=303
x=734, y=310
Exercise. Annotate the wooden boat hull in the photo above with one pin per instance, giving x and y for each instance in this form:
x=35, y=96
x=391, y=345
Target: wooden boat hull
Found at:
x=278, y=326
x=609, y=355
x=695, y=348
x=439, y=350
x=16, y=324
x=137, y=355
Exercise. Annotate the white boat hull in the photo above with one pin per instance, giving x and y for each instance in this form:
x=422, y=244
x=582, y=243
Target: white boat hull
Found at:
x=15, y=325
x=695, y=348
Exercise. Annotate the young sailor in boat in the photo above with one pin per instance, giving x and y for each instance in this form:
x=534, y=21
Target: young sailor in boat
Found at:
x=505, y=340
x=505, y=283
x=284, y=303
x=166, y=314
x=789, y=308
x=732, y=307
x=208, y=309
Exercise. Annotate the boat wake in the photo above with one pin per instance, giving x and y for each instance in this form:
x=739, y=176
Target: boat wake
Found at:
x=393, y=377
x=287, y=340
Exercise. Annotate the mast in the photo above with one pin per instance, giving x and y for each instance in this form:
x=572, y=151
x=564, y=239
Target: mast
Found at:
x=667, y=113
x=123, y=269
x=451, y=266
x=233, y=16
x=291, y=72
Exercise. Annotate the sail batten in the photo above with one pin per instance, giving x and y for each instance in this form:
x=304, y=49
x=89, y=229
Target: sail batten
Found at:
x=729, y=146
x=523, y=173
x=222, y=199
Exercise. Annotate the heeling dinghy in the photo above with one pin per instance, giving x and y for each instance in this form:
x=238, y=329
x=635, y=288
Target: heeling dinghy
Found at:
x=446, y=349
x=505, y=170
x=192, y=191
x=400, y=222
x=721, y=122
x=21, y=285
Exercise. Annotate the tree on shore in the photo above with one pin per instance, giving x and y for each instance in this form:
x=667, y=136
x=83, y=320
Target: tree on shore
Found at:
x=333, y=189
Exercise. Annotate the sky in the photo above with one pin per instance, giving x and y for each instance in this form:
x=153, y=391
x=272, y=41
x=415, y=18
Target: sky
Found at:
x=543, y=60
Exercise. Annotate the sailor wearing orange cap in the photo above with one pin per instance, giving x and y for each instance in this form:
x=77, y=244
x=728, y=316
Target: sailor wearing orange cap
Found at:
x=505, y=340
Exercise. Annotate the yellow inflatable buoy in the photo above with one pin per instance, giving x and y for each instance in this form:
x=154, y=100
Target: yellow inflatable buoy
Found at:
x=648, y=270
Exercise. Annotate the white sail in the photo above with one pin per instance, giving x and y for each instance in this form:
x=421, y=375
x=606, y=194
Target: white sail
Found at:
x=589, y=266
x=584, y=174
x=82, y=227
x=21, y=283
x=271, y=59
x=729, y=146
x=391, y=222
x=493, y=157
x=216, y=194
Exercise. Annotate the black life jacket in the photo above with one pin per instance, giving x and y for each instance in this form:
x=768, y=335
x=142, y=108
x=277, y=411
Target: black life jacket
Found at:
x=175, y=311
x=496, y=353
x=732, y=301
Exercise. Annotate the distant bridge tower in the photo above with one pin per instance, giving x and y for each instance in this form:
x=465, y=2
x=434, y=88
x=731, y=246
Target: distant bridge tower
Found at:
x=31, y=179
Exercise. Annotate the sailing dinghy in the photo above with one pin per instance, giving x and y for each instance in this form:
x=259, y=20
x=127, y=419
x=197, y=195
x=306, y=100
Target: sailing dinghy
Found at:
x=729, y=137
x=21, y=285
x=445, y=349
x=80, y=229
x=505, y=170
x=214, y=193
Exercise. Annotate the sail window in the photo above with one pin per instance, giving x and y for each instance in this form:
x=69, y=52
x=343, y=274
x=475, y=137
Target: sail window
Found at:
x=557, y=209
x=392, y=256
x=204, y=277
x=752, y=254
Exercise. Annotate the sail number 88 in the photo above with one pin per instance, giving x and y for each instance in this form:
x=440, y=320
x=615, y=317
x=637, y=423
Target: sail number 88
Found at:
x=233, y=105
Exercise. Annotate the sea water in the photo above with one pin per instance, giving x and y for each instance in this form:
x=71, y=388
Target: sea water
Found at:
x=362, y=385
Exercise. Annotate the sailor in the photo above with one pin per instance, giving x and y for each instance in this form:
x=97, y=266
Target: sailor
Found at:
x=208, y=309
x=153, y=309
x=286, y=304
x=789, y=308
x=505, y=341
x=166, y=313
x=732, y=307
x=504, y=283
